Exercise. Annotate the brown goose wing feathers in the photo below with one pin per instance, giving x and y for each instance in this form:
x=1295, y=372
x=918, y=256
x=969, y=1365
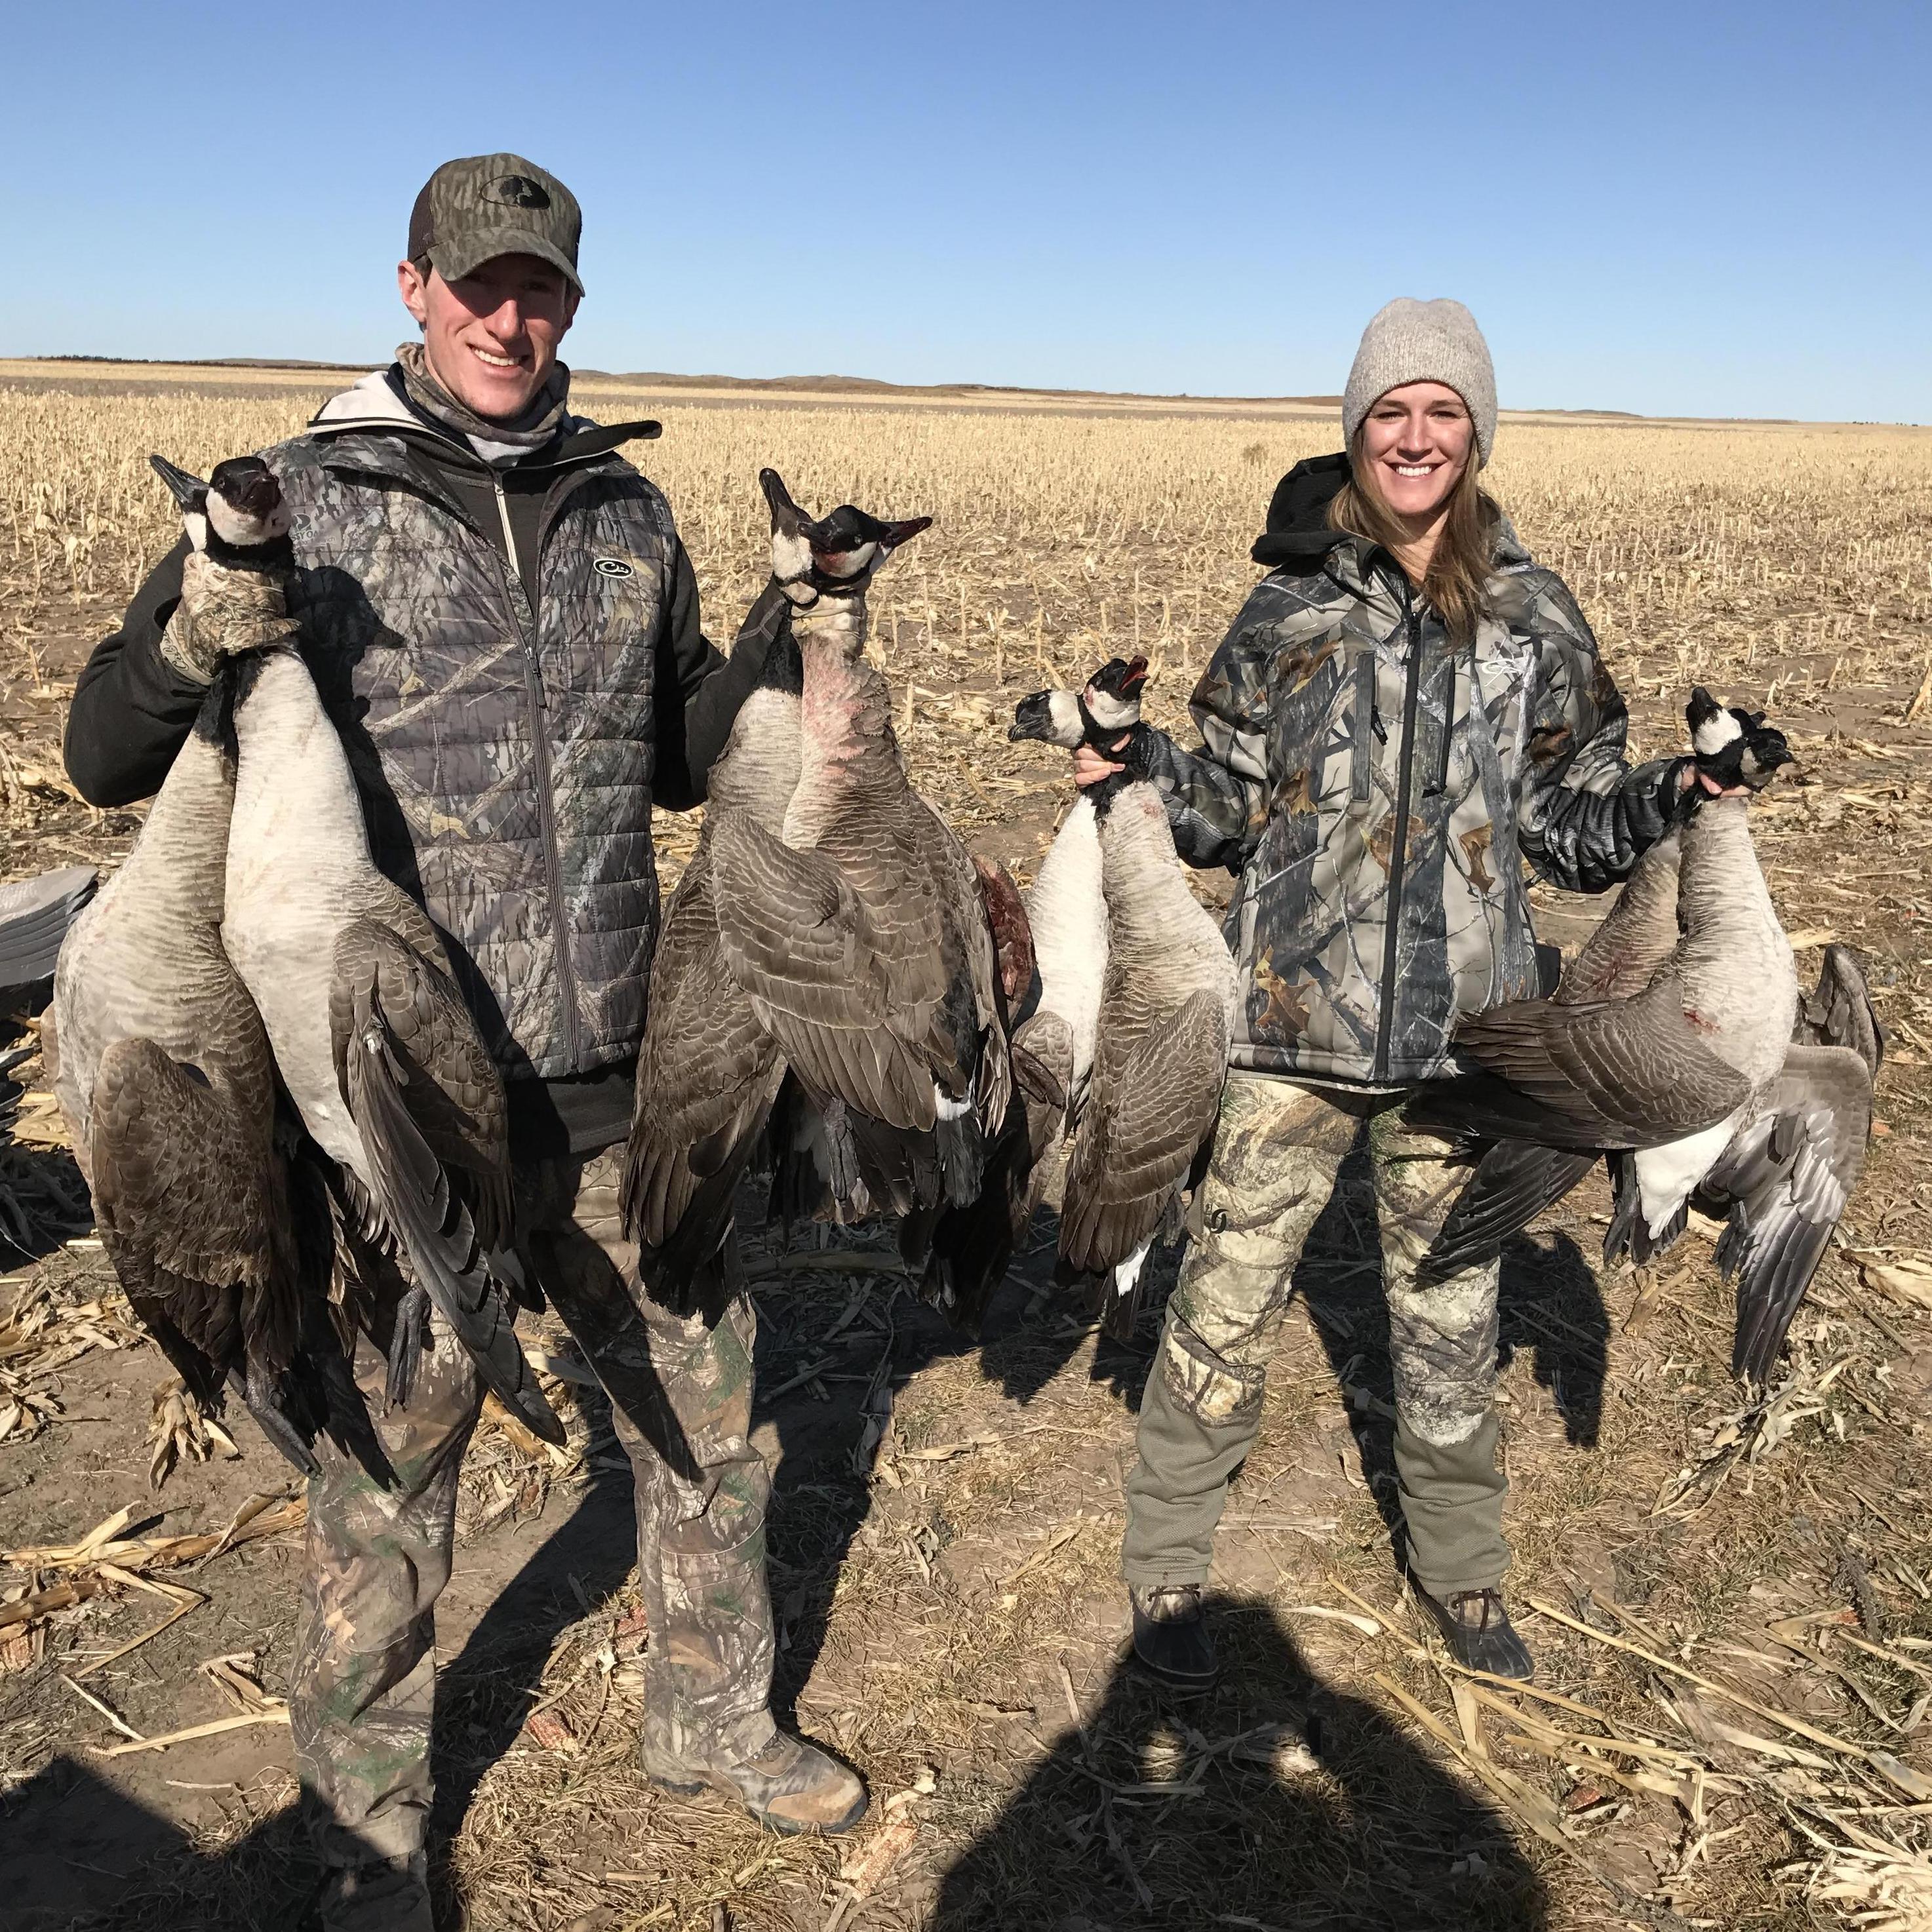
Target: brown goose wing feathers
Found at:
x=850, y=996
x=190, y=1201
x=1631, y=1073
x=708, y=1072
x=429, y=1106
x=1151, y=1105
x=1784, y=1181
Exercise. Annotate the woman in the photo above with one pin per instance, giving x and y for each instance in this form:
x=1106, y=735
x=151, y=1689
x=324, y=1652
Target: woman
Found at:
x=1406, y=709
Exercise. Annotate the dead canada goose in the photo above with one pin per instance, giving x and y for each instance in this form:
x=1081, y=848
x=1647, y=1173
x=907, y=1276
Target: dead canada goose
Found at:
x=370, y=1035
x=162, y=1066
x=1671, y=1049
x=1067, y=906
x=1165, y=1014
x=708, y=1069
x=858, y=929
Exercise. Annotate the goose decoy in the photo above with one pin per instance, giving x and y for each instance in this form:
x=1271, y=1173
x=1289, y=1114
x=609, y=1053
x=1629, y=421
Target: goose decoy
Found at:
x=163, y=1068
x=1670, y=1050
x=1158, y=1057
x=371, y=1037
x=858, y=929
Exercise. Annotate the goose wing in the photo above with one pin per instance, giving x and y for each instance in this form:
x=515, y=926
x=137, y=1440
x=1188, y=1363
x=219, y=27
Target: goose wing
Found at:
x=1840, y=1011
x=192, y=1201
x=1784, y=1181
x=843, y=987
x=1151, y=1105
x=1514, y=1182
x=428, y=1105
x=1629, y=1073
x=707, y=1073
x=34, y=916
x=1634, y=940
x=979, y=898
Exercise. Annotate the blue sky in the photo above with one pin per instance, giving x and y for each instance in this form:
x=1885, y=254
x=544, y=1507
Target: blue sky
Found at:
x=1698, y=209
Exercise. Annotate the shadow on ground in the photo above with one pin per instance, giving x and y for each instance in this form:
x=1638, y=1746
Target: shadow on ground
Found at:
x=1285, y=1803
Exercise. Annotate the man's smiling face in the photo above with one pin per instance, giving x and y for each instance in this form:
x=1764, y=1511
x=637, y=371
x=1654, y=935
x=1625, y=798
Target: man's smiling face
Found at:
x=491, y=336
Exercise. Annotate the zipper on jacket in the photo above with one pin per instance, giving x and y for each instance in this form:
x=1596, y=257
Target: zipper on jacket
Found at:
x=1398, y=852
x=566, y=977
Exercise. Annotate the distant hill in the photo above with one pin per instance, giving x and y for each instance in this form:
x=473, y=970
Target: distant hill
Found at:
x=658, y=378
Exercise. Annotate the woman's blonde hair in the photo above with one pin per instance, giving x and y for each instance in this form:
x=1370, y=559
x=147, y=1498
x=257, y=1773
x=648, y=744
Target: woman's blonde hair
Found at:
x=1457, y=584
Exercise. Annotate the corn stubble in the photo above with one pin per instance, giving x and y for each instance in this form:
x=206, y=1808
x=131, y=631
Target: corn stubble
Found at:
x=959, y=1646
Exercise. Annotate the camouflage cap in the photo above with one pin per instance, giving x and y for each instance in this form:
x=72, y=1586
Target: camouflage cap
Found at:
x=472, y=211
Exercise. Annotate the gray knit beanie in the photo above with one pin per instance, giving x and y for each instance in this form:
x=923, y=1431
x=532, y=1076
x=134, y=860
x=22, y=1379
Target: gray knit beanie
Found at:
x=1411, y=341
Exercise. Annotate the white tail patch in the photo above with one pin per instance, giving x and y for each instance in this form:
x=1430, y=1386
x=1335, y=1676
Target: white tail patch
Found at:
x=1666, y=1175
x=949, y=1109
x=1128, y=1272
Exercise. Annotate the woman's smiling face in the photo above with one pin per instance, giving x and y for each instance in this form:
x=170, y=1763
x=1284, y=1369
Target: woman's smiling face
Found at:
x=1417, y=440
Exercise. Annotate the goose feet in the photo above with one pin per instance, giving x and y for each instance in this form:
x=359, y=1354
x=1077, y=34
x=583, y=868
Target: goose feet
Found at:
x=407, y=1343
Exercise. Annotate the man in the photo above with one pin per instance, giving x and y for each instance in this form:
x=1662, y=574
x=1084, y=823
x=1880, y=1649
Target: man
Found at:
x=505, y=626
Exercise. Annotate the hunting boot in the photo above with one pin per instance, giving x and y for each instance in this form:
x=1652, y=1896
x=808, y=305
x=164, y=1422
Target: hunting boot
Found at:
x=1171, y=1635
x=1477, y=1628
x=384, y=1895
x=787, y=1784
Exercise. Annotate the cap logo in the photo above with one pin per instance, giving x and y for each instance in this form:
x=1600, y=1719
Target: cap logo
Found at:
x=517, y=191
x=612, y=566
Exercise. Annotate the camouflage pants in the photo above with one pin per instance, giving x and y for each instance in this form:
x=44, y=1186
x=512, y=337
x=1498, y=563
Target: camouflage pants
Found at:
x=361, y=1698
x=1277, y=1152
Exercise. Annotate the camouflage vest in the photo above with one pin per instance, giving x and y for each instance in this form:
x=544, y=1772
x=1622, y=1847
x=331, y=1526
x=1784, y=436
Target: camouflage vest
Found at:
x=505, y=759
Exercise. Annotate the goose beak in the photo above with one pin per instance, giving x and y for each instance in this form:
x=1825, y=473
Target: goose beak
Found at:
x=787, y=517
x=190, y=492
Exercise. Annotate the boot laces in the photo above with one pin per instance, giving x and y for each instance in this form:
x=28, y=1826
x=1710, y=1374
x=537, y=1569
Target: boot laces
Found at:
x=1486, y=1601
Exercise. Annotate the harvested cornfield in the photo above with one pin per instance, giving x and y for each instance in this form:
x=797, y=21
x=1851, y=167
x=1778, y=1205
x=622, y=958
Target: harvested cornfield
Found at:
x=1731, y=1605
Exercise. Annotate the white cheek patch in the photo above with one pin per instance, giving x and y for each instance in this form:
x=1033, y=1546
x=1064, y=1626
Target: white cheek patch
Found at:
x=1063, y=708
x=791, y=556
x=1113, y=714
x=1715, y=732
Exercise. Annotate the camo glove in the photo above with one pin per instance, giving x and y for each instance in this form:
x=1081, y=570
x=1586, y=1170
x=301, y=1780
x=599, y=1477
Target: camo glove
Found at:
x=222, y=612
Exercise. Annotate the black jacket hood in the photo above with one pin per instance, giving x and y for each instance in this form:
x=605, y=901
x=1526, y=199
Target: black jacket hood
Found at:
x=1297, y=536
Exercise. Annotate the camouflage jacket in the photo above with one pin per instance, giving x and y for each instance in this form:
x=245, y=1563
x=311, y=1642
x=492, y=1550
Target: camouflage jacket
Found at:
x=1376, y=790
x=505, y=756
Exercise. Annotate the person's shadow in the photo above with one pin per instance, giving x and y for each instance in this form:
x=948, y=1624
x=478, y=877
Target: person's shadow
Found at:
x=1272, y=1801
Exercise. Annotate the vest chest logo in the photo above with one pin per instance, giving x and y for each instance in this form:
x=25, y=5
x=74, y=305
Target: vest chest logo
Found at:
x=612, y=566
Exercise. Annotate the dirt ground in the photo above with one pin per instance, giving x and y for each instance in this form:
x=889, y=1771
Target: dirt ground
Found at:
x=1731, y=1608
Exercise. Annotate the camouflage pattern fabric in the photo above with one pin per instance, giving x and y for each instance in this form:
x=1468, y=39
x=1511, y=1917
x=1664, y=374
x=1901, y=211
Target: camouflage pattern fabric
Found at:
x=1277, y=1149
x=505, y=757
x=681, y=1401
x=362, y=1696
x=484, y=205
x=222, y=611
x=1336, y=717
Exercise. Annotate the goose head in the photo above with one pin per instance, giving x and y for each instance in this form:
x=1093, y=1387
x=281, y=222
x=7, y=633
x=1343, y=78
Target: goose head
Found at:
x=240, y=507
x=1110, y=704
x=836, y=556
x=1733, y=747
